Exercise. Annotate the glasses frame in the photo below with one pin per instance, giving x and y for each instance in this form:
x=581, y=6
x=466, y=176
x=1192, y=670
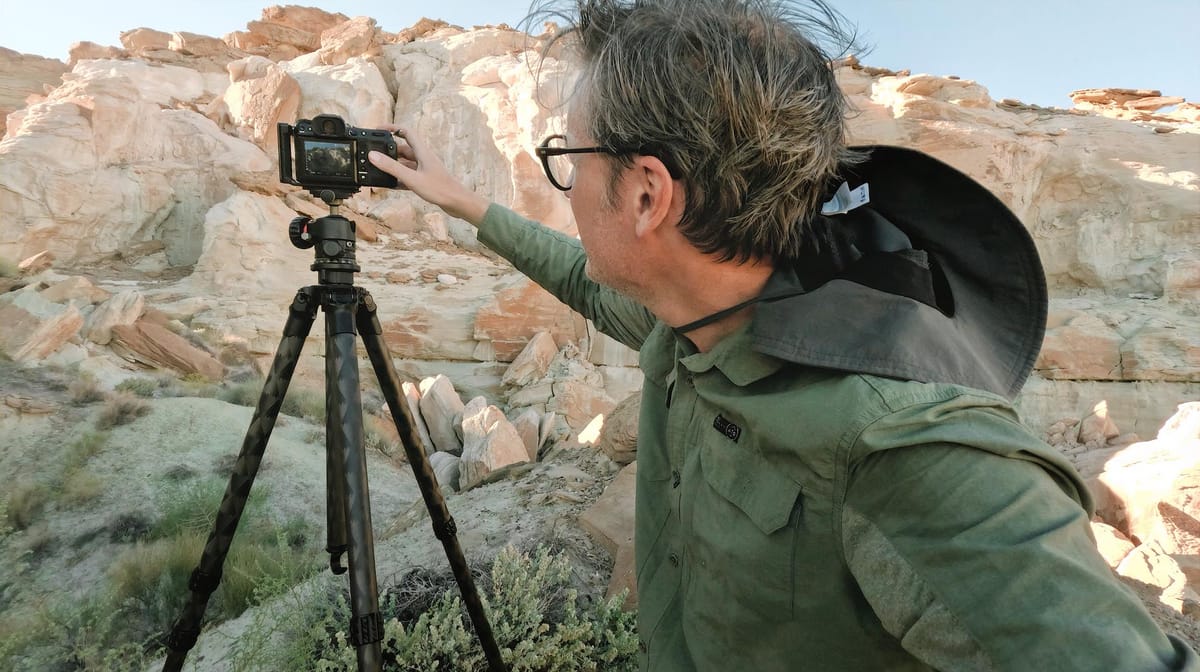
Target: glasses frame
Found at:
x=544, y=151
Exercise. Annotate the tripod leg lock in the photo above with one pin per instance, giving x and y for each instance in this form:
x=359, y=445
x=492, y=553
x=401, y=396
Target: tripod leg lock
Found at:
x=182, y=639
x=203, y=582
x=366, y=629
x=445, y=530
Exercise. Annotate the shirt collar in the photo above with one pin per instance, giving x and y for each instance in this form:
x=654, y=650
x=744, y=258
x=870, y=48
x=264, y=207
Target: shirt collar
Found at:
x=734, y=356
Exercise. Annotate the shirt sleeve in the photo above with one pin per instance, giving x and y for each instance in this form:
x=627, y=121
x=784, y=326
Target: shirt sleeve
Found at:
x=556, y=262
x=975, y=561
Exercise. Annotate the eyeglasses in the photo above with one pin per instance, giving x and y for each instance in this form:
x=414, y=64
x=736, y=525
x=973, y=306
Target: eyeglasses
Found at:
x=559, y=167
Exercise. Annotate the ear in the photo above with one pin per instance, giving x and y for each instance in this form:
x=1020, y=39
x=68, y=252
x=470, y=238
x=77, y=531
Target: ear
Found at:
x=659, y=197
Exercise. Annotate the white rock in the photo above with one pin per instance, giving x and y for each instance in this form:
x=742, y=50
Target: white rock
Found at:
x=439, y=404
x=490, y=442
x=529, y=425
x=33, y=327
x=122, y=309
x=446, y=468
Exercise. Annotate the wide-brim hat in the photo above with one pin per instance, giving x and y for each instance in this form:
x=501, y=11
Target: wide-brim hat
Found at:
x=938, y=281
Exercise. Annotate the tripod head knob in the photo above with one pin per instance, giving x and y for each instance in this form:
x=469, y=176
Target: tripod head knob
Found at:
x=298, y=233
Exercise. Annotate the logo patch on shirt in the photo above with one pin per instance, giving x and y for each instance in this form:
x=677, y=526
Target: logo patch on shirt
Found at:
x=730, y=430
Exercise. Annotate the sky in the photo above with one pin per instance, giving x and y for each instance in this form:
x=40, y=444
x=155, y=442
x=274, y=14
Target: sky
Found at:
x=1036, y=51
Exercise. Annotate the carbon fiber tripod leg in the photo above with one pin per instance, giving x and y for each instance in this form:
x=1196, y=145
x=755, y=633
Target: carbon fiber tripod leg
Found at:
x=207, y=575
x=443, y=524
x=343, y=400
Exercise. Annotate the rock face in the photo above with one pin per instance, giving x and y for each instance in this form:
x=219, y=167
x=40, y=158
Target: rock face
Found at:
x=23, y=76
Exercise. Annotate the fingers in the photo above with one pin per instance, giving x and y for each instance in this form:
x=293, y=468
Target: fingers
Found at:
x=389, y=165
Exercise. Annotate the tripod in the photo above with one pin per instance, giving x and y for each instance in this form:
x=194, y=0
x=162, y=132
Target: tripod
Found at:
x=349, y=310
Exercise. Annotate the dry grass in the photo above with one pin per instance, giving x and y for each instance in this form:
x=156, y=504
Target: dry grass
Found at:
x=122, y=409
x=25, y=502
x=85, y=390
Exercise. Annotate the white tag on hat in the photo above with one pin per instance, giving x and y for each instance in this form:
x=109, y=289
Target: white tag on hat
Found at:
x=846, y=199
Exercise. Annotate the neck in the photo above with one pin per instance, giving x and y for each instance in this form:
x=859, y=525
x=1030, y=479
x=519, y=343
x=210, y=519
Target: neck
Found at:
x=692, y=290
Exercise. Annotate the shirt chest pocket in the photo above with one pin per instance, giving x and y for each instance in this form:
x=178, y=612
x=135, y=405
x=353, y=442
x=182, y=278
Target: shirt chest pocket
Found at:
x=745, y=530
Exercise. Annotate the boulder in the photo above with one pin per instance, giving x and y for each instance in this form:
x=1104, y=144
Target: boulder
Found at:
x=412, y=396
x=618, y=439
x=533, y=361
x=33, y=327
x=156, y=346
x=121, y=310
x=580, y=401
x=359, y=36
x=610, y=523
x=1098, y=428
x=1130, y=483
x=446, y=468
x=439, y=405
x=490, y=442
x=76, y=289
x=1113, y=545
x=528, y=425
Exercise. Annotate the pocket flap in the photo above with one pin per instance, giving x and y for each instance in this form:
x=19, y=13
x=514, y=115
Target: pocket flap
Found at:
x=750, y=483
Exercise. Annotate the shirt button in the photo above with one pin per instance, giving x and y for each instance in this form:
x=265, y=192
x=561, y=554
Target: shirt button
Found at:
x=674, y=560
x=674, y=479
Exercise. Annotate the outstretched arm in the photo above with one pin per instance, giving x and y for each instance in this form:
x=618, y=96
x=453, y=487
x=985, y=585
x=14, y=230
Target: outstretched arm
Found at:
x=551, y=259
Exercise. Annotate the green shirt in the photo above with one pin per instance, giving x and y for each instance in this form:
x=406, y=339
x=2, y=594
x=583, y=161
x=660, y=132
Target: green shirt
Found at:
x=794, y=518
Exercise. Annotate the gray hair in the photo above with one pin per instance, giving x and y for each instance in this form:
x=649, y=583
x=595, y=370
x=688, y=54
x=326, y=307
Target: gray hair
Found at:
x=737, y=100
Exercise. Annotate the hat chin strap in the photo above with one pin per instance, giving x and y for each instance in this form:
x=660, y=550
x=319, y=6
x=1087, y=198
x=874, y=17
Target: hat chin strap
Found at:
x=724, y=313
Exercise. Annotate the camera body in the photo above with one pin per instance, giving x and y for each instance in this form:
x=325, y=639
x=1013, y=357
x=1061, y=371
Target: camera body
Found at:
x=331, y=156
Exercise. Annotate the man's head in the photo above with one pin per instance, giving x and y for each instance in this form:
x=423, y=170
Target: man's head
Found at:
x=735, y=98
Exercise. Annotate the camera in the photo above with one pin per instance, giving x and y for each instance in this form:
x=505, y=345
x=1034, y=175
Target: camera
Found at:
x=331, y=156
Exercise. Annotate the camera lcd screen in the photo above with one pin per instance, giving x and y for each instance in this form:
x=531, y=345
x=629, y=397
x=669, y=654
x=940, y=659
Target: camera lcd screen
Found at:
x=329, y=159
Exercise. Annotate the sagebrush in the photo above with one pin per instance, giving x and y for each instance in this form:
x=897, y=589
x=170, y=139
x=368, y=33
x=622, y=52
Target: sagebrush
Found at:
x=538, y=621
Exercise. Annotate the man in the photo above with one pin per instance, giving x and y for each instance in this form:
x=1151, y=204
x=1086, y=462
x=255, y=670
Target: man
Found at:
x=830, y=475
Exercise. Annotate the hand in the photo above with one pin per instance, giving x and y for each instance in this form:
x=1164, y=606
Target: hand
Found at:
x=419, y=171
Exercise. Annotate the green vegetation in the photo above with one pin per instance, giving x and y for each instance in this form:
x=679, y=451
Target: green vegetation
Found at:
x=245, y=393
x=305, y=403
x=123, y=624
x=141, y=387
x=536, y=619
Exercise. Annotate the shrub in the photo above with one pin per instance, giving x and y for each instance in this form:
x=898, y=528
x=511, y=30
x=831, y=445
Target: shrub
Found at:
x=141, y=387
x=81, y=488
x=85, y=390
x=121, y=409
x=535, y=618
x=83, y=449
x=245, y=393
x=25, y=503
x=305, y=403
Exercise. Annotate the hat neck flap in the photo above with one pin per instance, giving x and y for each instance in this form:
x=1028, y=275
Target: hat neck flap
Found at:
x=934, y=281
